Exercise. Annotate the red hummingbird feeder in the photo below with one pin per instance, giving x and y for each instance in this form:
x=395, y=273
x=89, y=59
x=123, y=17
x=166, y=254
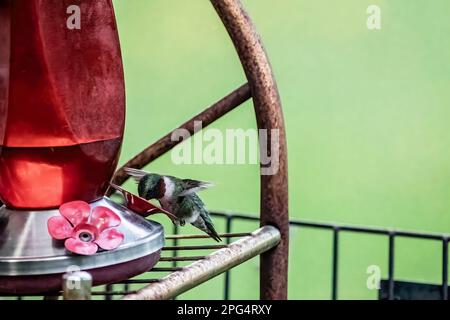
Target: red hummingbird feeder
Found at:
x=62, y=116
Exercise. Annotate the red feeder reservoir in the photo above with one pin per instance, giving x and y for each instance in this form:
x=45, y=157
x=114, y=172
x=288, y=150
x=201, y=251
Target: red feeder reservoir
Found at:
x=62, y=116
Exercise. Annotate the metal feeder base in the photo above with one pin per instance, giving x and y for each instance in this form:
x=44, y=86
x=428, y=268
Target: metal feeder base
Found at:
x=31, y=262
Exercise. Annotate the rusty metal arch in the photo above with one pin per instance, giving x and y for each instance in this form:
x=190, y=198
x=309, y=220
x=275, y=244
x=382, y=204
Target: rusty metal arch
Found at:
x=262, y=88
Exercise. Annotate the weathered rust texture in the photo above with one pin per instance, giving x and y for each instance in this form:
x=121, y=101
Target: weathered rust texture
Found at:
x=214, y=264
x=274, y=188
x=165, y=144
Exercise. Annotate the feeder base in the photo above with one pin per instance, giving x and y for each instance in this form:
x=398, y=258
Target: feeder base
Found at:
x=31, y=262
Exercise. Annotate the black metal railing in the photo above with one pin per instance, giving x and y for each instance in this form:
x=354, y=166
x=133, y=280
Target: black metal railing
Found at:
x=337, y=230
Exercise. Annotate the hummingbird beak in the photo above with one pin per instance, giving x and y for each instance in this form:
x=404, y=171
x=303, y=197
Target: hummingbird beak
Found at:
x=140, y=205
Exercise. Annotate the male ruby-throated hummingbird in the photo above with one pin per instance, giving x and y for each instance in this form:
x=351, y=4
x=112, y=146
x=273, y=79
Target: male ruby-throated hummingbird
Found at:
x=178, y=196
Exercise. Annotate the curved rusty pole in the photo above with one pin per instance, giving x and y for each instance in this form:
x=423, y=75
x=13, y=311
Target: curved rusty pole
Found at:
x=269, y=115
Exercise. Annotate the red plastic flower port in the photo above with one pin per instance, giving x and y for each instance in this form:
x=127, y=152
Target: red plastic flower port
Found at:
x=86, y=230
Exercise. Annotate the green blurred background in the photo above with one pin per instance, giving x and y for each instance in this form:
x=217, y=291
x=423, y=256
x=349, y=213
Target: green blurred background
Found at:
x=366, y=116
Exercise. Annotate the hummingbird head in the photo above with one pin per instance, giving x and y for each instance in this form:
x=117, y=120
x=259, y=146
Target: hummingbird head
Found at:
x=151, y=186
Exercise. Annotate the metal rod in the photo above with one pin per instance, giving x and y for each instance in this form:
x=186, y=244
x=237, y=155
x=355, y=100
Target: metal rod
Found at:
x=216, y=263
x=139, y=281
x=109, y=288
x=113, y=293
x=94, y=293
x=175, y=244
x=166, y=143
x=391, y=265
x=165, y=269
x=226, y=294
x=335, y=263
x=235, y=215
x=201, y=236
x=175, y=252
x=50, y=295
x=205, y=247
x=175, y=259
x=445, y=269
x=269, y=117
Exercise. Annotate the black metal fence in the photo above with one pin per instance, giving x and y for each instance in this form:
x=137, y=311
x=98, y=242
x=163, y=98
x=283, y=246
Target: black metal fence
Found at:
x=339, y=229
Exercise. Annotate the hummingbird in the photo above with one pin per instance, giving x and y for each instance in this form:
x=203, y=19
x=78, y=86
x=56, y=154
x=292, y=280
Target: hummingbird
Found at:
x=178, y=196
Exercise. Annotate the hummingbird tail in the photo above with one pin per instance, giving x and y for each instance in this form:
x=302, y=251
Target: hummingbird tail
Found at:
x=205, y=224
x=212, y=232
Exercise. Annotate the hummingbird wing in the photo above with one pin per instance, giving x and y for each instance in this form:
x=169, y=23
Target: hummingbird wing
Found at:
x=136, y=174
x=190, y=186
x=204, y=221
